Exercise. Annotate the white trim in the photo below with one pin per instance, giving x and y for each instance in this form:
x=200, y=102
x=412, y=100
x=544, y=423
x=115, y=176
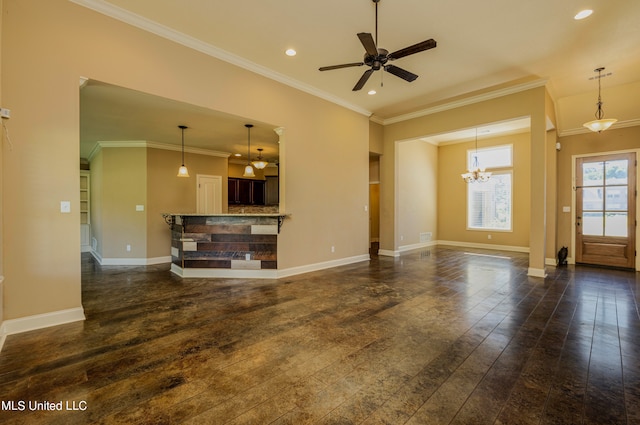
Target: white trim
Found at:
x=513, y=248
x=464, y=102
x=155, y=145
x=266, y=274
x=323, y=265
x=160, y=30
x=420, y=245
x=533, y=272
x=584, y=130
x=40, y=321
x=388, y=253
x=224, y=273
x=133, y=261
x=417, y=246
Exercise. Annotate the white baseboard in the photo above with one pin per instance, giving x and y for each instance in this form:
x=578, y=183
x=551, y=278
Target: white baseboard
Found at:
x=322, y=266
x=413, y=247
x=40, y=321
x=130, y=261
x=266, y=274
x=513, y=248
x=134, y=261
x=531, y=271
x=225, y=273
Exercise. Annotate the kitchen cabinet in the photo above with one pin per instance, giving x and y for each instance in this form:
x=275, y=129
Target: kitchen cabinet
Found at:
x=246, y=191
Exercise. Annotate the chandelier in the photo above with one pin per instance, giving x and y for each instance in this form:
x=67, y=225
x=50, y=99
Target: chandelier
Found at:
x=476, y=174
x=599, y=124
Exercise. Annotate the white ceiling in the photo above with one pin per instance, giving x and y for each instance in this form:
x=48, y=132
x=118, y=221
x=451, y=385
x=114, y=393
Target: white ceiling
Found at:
x=481, y=45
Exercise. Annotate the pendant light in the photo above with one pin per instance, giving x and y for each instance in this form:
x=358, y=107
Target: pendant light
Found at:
x=599, y=124
x=182, y=171
x=260, y=163
x=476, y=174
x=248, y=170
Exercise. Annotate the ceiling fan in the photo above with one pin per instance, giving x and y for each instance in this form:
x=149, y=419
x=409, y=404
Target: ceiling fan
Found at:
x=377, y=58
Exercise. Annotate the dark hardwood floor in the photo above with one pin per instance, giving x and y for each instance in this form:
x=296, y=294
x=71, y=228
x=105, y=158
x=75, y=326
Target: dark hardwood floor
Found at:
x=440, y=336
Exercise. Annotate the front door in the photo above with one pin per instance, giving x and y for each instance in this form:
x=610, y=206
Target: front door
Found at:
x=605, y=210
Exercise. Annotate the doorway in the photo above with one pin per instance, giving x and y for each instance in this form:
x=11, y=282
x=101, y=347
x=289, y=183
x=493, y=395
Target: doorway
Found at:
x=606, y=210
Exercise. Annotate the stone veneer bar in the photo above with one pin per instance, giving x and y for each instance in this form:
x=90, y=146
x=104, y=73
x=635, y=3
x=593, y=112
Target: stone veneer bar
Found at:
x=225, y=245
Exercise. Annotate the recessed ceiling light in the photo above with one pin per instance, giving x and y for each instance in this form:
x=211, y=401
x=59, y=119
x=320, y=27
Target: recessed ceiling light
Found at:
x=372, y=92
x=290, y=52
x=238, y=154
x=583, y=14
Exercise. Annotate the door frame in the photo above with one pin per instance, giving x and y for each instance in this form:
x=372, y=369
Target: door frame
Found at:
x=574, y=202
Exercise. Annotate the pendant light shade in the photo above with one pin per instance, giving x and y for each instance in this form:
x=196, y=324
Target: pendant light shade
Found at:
x=599, y=124
x=475, y=173
x=182, y=171
x=259, y=163
x=248, y=170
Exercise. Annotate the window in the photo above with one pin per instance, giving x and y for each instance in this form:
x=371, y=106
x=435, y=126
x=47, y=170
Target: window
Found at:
x=489, y=204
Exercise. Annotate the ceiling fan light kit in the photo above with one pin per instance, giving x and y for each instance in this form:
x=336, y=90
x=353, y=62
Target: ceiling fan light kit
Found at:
x=377, y=58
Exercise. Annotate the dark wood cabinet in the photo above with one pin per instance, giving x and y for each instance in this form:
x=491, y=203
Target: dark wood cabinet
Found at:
x=246, y=191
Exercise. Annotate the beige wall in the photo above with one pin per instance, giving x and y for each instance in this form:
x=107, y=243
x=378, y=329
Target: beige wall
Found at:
x=452, y=193
x=417, y=197
x=376, y=138
x=168, y=194
x=530, y=103
x=2, y=145
x=96, y=201
x=123, y=184
x=49, y=44
x=612, y=140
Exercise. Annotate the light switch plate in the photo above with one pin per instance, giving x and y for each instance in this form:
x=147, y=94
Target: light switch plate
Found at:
x=139, y=207
x=65, y=206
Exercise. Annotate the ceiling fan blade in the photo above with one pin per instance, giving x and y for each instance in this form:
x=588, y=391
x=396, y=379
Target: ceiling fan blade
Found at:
x=399, y=72
x=344, y=65
x=363, y=80
x=369, y=45
x=416, y=48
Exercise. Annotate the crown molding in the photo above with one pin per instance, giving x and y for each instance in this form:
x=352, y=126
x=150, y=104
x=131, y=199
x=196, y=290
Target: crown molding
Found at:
x=464, y=102
x=583, y=130
x=163, y=31
x=144, y=144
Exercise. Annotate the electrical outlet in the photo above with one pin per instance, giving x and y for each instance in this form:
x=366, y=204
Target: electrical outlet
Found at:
x=5, y=113
x=128, y=248
x=65, y=207
x=333, y=249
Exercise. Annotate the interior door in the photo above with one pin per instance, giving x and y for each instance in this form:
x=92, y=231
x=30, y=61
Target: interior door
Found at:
x=209, y=198
x=605, y=210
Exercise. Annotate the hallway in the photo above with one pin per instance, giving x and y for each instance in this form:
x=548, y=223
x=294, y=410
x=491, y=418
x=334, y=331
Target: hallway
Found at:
x=439, y=336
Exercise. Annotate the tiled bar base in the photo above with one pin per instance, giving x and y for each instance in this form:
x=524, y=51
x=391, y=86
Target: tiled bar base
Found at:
x=242, y=245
